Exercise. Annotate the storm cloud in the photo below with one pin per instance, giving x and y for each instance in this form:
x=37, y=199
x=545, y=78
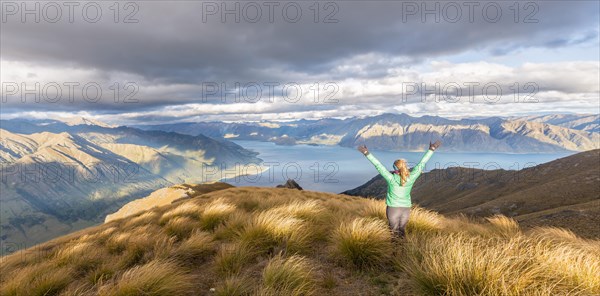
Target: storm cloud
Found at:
x=174, y=53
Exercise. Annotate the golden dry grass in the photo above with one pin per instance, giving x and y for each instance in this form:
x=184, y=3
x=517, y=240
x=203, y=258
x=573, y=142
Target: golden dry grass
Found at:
x=364, y=242
x=259, y=241
x=287, y=276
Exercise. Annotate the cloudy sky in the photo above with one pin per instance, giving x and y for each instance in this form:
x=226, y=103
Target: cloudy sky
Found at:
x=169, y=61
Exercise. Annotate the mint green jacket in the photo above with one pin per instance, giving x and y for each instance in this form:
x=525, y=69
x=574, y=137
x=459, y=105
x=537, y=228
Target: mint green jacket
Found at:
x=398, y=195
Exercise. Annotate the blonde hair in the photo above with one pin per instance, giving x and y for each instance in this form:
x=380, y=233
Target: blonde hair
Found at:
x=403, y=171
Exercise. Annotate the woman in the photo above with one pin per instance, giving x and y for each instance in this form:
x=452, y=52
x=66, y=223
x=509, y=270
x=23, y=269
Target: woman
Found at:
x=400, y=182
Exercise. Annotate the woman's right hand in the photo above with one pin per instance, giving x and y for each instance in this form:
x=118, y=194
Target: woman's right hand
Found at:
x=363, y=149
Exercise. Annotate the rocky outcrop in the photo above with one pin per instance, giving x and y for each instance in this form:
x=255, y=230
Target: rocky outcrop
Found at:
x=290, y=184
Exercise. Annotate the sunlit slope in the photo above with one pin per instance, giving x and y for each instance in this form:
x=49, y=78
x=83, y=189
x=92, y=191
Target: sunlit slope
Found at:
x=56, y=182
x=259, y=241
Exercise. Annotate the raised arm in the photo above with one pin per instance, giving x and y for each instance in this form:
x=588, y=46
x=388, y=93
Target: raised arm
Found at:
x=380, y=167
x=418, y=169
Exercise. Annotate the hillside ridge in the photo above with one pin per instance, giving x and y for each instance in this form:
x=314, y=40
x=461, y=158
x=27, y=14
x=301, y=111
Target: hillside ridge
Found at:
x=278, y=241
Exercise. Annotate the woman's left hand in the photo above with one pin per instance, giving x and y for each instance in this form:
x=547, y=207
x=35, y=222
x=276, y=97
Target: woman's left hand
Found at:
x=363, y=149
x=435, y=145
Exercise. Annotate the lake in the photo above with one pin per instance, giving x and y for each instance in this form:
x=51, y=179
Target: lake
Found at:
x=336, y=169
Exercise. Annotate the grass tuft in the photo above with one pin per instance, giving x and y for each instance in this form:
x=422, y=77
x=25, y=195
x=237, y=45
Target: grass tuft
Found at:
x=154, y=278
x=230, y=259
x=216, y=213
x=234, y=286
x=196, y=248
x=503, y=226
x=271, y=229
x=287, y=276
x=366, y=243
x=374, y=208
x=424, y=221
x=188, y=209
x=181, y=227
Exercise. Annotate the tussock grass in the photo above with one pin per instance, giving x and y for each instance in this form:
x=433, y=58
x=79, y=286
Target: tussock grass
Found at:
x=143, y=219
x=230, y=259
x=366, y=243
x=41, y=279
x=374, y=208
x=181, y=227
x=188, y=209
x=153, y=278
x=235, y=286
x=424, y=221
x=216, y=213
x=503, y=226
x=271, y=229
x=249, y=241
x=287, y=276
x=80, y=257
x=573, y=267
x=102, y=236
x=457, y=264
x=462, y=264
x=117, y=243
x=232, y=226
x=198, y=246
x=101, y=274
x=310, y=210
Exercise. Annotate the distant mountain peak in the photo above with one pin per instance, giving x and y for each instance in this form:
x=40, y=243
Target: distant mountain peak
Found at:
x=80, y=120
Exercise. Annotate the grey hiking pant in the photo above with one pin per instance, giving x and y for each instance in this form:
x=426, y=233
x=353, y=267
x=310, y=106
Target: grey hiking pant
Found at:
x=397, y=219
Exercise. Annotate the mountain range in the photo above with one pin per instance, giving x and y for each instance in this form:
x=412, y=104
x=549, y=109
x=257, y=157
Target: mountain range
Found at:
x=58, y=177
x=401, y=132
